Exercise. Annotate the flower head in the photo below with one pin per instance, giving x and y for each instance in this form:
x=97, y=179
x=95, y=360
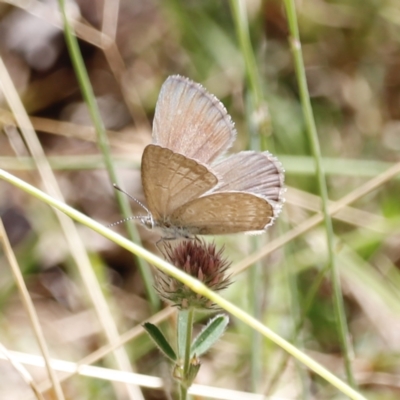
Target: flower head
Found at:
x=200, y=260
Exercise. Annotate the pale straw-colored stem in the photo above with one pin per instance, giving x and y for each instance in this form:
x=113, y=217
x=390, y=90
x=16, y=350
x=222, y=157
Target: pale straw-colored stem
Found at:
x=189, y=281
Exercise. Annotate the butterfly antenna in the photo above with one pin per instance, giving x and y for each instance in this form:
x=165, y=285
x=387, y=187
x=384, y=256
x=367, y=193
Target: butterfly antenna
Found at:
x=132, y=198
x=122, y=221
x=136, y=201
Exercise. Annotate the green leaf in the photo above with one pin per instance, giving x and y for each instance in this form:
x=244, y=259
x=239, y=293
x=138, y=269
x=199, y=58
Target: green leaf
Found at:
x=160, y=340
x=182, y=328
x=209, y=335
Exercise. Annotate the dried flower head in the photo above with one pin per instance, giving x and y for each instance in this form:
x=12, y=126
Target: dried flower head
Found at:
x=200, y=260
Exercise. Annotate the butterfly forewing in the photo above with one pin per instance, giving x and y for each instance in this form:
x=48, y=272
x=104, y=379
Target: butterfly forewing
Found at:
x=222, y=213
x=190, y=121
x=170, y=180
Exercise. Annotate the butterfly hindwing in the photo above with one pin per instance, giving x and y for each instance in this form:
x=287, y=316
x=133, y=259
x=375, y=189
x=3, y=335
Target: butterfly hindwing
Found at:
x=222, y=213
x=252, y=172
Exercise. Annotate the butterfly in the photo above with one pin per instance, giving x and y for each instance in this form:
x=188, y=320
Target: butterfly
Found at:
x=189, y=188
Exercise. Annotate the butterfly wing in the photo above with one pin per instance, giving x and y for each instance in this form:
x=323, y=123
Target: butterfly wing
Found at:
x=253, y=172
x=170, y=180
x=223, y=213
x=190, y=121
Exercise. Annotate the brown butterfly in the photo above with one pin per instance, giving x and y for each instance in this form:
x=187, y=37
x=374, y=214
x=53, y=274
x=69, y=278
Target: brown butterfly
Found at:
x=189, y=189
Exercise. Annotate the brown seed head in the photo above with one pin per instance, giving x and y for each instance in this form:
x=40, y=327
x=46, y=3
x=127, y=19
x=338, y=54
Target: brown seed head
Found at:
x=200, y=260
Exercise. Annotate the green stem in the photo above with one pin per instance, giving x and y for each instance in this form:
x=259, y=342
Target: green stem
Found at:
x=186, y=362
x=298, y=326
x=259, y=113
x=88, y=95
x=313, y=137
x=255, y=277
x=242, y=30
x=183, y=392
x=191, y=282
x=259, y=129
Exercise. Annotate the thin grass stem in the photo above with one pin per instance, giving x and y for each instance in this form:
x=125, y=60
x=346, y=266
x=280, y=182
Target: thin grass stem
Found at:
x=31, y=311
x=88, y=95
x=187, y=280
x=259, y=113
x=313, y=138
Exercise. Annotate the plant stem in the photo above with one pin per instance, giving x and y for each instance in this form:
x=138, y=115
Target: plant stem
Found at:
x=313, y=137
x=197, y=286
x=258, y=112
x=102, y=140
x=186, y=362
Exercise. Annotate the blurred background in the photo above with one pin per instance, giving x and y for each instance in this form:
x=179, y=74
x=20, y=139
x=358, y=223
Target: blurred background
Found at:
x=351, y=53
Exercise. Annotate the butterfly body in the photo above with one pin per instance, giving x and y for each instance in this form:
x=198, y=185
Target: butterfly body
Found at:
x=188, y=192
